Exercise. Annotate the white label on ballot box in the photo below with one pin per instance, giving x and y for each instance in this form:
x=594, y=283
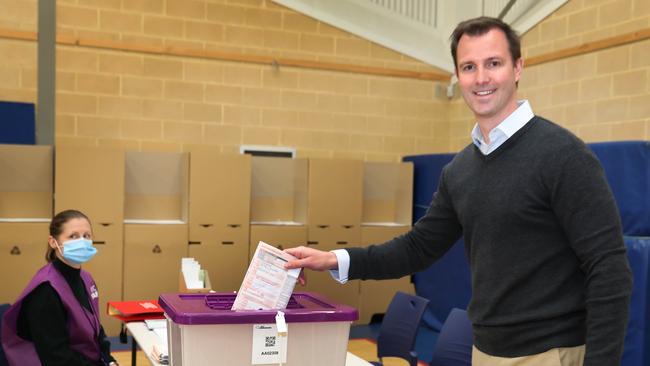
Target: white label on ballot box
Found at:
x=268, y=347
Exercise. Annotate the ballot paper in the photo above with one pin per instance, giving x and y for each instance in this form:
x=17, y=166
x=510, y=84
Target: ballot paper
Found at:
x=267, y=284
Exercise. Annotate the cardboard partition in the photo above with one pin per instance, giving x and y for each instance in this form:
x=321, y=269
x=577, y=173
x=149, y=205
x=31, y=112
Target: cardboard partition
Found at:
x=22, y=253
x=279, y=190
x=91, y=180
x=207, y=285
x=107, y=269
x=280, y=236
x=375, y=296
x=329, y=237
x=219, y=192
x=323, y=283
x=335, y=194
x=224, y=253
x=152, y=256
x=26, y=184
x=387, y=193
x=156, y=186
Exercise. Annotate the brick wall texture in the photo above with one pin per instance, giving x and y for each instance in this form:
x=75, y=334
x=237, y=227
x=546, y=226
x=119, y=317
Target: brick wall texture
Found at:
x=143, y=101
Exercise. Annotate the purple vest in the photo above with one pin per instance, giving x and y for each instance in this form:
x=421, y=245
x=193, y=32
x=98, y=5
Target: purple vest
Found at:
x=83, y=326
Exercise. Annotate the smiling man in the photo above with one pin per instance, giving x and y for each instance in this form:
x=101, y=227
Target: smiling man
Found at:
x=550, y=279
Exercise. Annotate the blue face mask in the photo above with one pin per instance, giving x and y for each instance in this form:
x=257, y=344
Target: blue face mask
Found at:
x=78, y=251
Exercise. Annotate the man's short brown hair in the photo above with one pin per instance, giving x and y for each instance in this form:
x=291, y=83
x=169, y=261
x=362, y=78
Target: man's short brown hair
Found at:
x=481, y=25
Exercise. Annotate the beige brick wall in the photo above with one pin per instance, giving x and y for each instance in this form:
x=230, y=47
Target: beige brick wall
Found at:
x=18, y=61
x=144, y=101
x=600, y=96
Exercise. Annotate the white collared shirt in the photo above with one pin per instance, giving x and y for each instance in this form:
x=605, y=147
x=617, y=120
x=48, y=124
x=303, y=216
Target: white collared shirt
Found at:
x=504, y=130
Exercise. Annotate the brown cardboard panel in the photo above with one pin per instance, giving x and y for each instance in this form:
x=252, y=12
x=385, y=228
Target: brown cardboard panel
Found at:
x=301, y=191
x=376, y=295
x=379, y=210
x=107, y=270
x=224, y=253
x=272, y=209
x=153, y=207
x=387, y=192
x=380, y=234
x=22, y=253
x=152, y=259
x=329, y=237
x=346, y=236
x=277, y=235
x=25, y=204
x=324, y=284
x=202, y=232
x=26, y=168
x=278, y=189
x=404, y=195
x=90, y=180
x=319, y=235
x=156, y=185
x=219, y=232
x=219, y=188
x=272, y=177
x=27, y=181
x=335, y=192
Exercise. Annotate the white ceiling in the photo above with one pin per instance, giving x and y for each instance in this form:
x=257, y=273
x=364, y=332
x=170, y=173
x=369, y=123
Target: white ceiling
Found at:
x=420, y=28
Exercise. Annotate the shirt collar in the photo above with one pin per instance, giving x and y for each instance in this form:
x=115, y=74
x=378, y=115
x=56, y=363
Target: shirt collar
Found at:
x=510, y=125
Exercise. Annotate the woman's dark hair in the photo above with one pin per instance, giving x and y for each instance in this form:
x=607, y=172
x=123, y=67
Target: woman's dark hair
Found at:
x=481, y=25
x=56, y=227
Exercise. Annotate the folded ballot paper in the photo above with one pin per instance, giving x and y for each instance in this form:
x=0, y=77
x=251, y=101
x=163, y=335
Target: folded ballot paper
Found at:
x=267, y=284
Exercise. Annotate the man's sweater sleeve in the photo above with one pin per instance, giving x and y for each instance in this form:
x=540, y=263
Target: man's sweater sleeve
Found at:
x=585, y=207
x=429, y=239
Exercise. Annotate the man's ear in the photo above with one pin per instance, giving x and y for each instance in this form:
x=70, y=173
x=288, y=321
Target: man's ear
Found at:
x=519, y=66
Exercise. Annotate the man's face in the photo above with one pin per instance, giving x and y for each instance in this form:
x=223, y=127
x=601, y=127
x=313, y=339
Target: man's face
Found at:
x=487, y=76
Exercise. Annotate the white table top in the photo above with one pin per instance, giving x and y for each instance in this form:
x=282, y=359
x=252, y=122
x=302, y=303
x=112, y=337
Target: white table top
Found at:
x=146, y=339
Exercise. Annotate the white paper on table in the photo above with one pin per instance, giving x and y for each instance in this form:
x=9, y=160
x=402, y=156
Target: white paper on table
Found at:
x=162, y=334
x=155, y=323
x=267, y=284
x=268, y=347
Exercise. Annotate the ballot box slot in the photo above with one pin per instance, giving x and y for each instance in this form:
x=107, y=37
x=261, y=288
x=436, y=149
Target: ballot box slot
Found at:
x=224, y=302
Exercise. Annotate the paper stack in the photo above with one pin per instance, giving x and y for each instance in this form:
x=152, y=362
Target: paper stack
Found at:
x=192, y=274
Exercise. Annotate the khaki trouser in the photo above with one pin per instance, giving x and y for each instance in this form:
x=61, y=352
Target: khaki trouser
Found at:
x=568, y=356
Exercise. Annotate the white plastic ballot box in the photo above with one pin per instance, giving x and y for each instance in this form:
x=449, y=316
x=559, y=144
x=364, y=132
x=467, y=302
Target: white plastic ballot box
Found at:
x=202, y=330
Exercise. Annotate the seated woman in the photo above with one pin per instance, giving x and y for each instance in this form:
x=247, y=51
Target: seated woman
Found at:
x=55, y=320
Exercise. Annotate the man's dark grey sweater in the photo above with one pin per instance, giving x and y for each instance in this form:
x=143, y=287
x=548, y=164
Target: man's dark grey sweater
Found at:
x=543, y=239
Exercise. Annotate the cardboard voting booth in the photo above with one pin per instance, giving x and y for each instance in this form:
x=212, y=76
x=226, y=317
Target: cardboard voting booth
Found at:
x=202, y=330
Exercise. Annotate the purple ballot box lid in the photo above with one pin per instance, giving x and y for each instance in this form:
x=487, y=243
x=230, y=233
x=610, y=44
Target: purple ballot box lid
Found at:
x=214, y=308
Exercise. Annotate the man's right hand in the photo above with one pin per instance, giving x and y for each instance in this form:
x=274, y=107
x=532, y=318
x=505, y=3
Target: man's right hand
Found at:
x=311, y=258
